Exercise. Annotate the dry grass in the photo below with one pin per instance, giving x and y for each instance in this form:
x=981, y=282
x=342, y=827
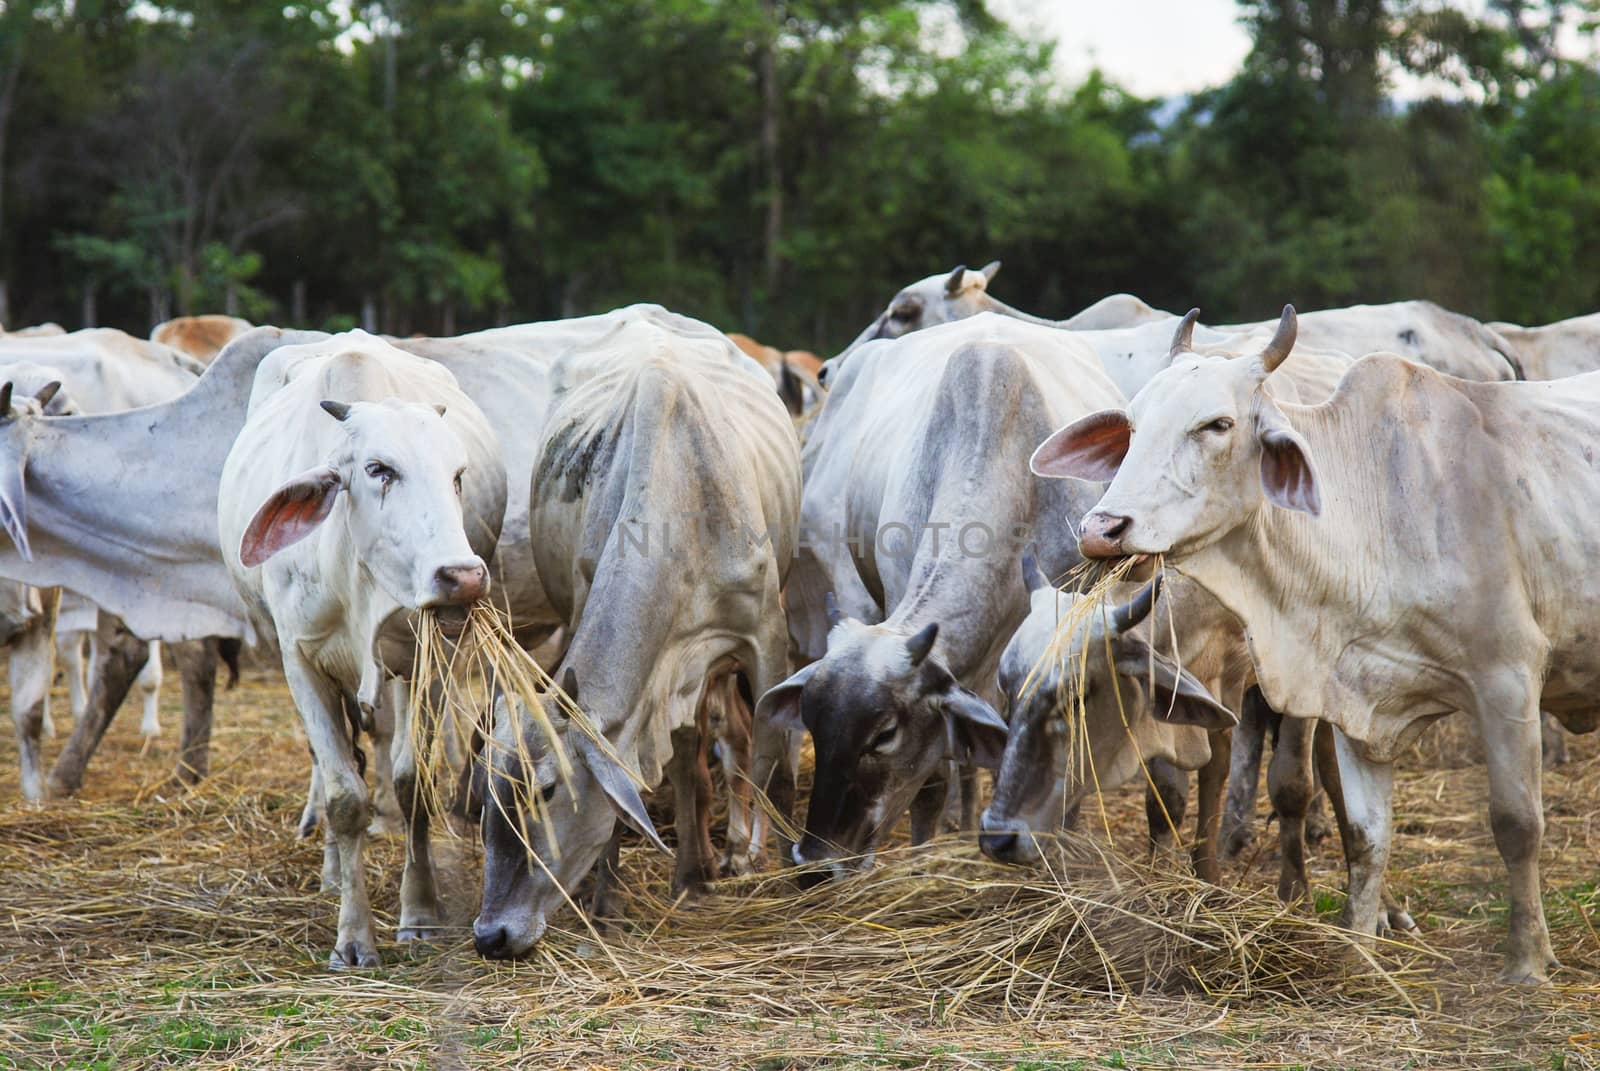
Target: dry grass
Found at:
x=153, y=928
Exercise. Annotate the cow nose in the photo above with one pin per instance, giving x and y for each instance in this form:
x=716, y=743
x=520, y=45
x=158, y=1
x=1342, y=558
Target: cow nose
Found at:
x=462, y=583
x=810, y=879
x=492, y=942
x=1103, y=534
x=998, y=846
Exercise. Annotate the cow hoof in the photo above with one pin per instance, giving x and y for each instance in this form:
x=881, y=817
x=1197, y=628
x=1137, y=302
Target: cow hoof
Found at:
x=738, y=865
x=1516, y=977
x=353, y=955
x=1395, y=920
x=1235, y=843
x=1317, y=829
x=424, y=932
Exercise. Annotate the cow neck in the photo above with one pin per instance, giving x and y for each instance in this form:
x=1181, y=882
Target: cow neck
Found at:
x=123, y=507
x=994, y=304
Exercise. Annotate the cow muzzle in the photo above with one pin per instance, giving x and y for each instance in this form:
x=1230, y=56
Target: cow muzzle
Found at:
x=494, y=940
x=1005, y=840
x=1103, y=534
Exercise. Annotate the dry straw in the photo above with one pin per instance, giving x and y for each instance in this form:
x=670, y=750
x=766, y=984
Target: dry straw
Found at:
x=470, y=691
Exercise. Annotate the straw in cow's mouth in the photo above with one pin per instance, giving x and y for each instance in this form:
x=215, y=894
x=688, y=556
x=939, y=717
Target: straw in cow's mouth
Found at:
x=452, y=620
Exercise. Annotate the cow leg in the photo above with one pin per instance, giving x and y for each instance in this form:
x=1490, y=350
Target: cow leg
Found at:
x=30, y=686
x=690, y=774
x=968, y=778
x=775, y=754
x=420, y=913
x=1511, y=739
x=149, y=682
x=197, y=668
x=1392, y=915
x=1244, y=775
x=119, y=656
x=1553, y=740
x=1368, y=788
x=603, y=907
x=927, y=806
x=1289, y=785
x=1166, y=798
x=78, y=668
x=732, y=717
x=388, y=713
x=1208, y=823
x=345, y=805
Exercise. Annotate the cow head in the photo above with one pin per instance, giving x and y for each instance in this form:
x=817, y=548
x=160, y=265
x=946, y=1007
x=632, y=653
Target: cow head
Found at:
x=1191, y=458
x=935, y=300
x=1042, y=774
x=398, y=469
x=28, y=393
x=883, y=713
x=527, y=863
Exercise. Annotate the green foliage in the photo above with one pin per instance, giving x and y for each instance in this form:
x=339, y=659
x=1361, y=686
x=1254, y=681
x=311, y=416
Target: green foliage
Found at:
x=442, y=166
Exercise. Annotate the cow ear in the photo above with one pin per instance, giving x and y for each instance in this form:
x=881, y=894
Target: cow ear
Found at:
x=780, y=706
x=1176, y=697
x=619, y=789
x=976, y=735
x=1287, y=475
x=291, y=513
x=1090, y=448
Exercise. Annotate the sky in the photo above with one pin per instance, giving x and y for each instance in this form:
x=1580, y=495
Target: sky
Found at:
x=1165, y=48
x=1155, y=48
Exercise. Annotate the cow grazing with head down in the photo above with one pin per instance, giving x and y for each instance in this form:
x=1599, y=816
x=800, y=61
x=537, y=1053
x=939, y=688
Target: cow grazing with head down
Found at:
x=1396, y=554
x=1116, y=704
x=663, y=507
x=916, y=506
x=363, y=487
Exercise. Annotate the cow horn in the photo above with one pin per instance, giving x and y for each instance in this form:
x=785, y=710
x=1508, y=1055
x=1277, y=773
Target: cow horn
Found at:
x=1282, y=340
x=952, y=285
x=1137, y=609
x=1033, y=577
x=5, y=401
x=569, y=684
x=337, y=410
x=439, y=409
x=830, y=606
x=920, y=644
x=47, y=393
x=990, y=270
x=1183, y=337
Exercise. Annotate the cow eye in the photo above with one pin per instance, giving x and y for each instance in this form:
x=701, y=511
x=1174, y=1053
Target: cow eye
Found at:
x=902, y=314
x=379, y=471
x=548, y=792
x=1218, y=426
x=884, y=738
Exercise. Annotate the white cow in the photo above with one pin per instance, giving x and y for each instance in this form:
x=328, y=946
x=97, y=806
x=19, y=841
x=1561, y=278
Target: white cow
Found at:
x=1555, y=351
x=664, y=505
x=1403, y=551
x=1419, y=330
x=913, y=521
x=363, y=486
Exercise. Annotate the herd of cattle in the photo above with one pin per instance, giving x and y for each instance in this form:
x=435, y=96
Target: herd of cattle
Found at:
x=869, y=554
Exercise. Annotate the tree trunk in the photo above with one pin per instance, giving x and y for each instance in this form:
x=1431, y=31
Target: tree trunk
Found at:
x=89, y=316
x=447, y=321
x=297, y=304
x=230, y=303
x=770, y=103
x=369, y=314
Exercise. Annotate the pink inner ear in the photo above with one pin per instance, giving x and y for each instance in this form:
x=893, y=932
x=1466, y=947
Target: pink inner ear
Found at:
x=1286, y=474
x=1091, y=448
x=289, y=515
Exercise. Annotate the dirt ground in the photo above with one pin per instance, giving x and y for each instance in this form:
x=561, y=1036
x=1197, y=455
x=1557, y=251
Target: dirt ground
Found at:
x=151, y=927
